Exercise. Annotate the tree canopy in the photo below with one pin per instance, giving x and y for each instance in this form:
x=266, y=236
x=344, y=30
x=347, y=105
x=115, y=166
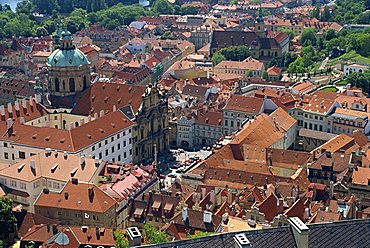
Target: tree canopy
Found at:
x=7, y=218
x=154, y=236
x=360, y=80
x=235, y=53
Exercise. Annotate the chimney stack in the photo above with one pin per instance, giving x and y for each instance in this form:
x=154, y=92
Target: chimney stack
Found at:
x=207, y=217
x=24, y=103
x=300, y=232
x=21, y=120
x=10, y=108
x=134, y=236
x=2, y=110
x=9, y=123
x=241, y=241
x=184, y=214
x=16, y=105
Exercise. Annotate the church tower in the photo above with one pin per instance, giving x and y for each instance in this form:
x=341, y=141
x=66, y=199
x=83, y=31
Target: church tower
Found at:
x=68, y=72
x=260, y=27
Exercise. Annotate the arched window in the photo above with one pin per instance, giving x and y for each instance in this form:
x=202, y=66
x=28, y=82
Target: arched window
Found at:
x=77, y=124
x=72, y=87
x=57, y=89
x=64, y=124
x=64, y=85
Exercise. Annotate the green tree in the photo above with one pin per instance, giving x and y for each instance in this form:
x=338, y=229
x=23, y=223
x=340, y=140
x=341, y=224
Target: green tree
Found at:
x=217, y=58
x=287, y=31
x=163, y=7
x=316, y=12
x=45, y=7
x=153, y=235
x=7, y=218
x=308, y=37
x=235, y=2
x=326, y=16
x=250, y=74
x=198, y=235
x=265, y=75
x=360, y=80
x=121, y=239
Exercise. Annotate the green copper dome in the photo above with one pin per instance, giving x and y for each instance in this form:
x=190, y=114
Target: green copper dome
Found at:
x=65, y=58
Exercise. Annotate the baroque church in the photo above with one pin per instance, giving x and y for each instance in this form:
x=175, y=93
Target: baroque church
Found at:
x=71, y=89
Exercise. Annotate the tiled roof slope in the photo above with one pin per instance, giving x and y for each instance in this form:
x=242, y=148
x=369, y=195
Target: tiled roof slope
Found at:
x=103, y=96
x=352, y=233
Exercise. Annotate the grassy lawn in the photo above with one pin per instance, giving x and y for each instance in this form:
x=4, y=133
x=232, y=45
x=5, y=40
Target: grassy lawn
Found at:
x=353, y=56
x=342, y=83
x=330, y=89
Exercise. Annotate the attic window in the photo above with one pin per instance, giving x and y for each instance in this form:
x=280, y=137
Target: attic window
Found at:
x=118, y=87
x=101, y=130
x=73, y=173
x=21, y=167
x=93, y=97
x=47, y=138
x=106, y=99
x=103, y=86
x=129, y=89
x=34, y=136
x=62, y=141
x=88, y=136
x=119, y=100
x=113, y=125
x=54, y=168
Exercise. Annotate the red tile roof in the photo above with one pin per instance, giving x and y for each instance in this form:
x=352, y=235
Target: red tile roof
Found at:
x=103, y=96
x=246, y=104
x=78, y=198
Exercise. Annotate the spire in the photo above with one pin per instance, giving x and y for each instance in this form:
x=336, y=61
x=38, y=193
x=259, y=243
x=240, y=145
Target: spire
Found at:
x=38, y=86
x=259, y=19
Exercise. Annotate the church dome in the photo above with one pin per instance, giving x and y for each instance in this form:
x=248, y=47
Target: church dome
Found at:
x=66, y=58
x=67, y=55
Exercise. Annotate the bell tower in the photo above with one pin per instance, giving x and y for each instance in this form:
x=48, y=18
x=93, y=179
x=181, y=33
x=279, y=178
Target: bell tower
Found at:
x=260, y=27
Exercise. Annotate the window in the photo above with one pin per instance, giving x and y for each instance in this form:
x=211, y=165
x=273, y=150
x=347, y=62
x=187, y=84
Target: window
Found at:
x=6, y=155
x=36, y=185
x=99, y=145
x=56, y=185
x=112, y=139
x=22, y=186
x=106, y=142
x=112, y=149
x=93, y=148
x=124, y=155
x=130, y=151
x=22, y=155
x=100, y=155
x=13, y=183
x=129, y=141
x=5, y=144
x=232, y=123
x=124, y=143
x=72, y=86
x=106, y=152
x=118, y=146
x=119, y=158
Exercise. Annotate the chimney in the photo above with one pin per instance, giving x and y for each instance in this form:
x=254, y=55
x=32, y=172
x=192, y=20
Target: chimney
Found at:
x=281, y=205
x=300, y=232
x=16, y=105
x=21, y=120
x=10, y=108
x=82, y=121
x=331, y=189
x=31, y=101
x=225, y=218
x=184, y=214
x=229, y=196
x=2, y=110
x=9, y=123
x=55, y=229
x=65, y=155
x=203, y=192
x=114, y=108
x=134, y=236
x=24, y=103
x=37, y=98
x=306, y=213
x=212, y=196
x=207, y=217
x=101, y=114
x=96, y=161
x=241, y=241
